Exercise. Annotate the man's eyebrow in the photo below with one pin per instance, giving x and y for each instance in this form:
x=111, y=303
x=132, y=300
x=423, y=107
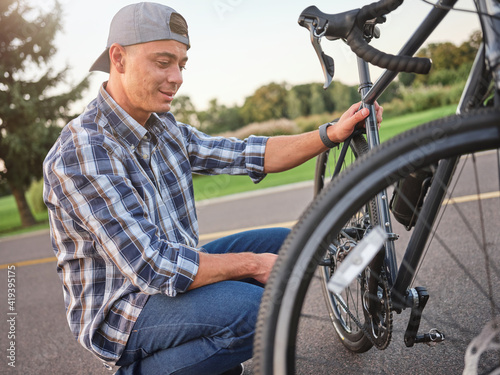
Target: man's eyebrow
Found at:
x=170, y=55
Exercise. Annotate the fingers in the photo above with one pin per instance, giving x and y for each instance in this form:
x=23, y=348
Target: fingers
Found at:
x=380, y=111
x=362, y=114
x=355, y=108
x=267, y=261
x=354, y=115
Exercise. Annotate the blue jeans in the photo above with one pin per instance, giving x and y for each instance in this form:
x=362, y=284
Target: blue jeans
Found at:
x=207, y=330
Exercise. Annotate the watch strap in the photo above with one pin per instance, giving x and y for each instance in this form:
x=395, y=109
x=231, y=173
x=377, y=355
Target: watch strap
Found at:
x=324, y=135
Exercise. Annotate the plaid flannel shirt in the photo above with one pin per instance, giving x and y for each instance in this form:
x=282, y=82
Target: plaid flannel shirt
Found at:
x=122, y=213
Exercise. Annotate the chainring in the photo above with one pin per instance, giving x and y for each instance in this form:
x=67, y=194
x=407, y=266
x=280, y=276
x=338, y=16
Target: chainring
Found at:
x=379, y=327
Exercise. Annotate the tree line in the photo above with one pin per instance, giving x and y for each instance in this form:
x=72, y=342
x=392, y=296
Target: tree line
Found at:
x=31, y=116
x=271, y=101
x=451, y=65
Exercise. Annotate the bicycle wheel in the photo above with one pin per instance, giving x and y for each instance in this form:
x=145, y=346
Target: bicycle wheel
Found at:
x=347, y=308
x=328, y=160
x=463, y=299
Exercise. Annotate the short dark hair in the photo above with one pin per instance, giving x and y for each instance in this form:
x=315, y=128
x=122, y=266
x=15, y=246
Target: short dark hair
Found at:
x=178, y=24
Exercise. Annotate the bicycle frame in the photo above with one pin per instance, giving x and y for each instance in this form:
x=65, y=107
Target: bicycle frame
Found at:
x=400, y=279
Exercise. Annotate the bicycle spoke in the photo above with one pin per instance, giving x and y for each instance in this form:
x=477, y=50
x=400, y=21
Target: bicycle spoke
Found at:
x=459, y=271
x=483, y=233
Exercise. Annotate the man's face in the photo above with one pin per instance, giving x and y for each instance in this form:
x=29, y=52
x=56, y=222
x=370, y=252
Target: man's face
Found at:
x=152, y=76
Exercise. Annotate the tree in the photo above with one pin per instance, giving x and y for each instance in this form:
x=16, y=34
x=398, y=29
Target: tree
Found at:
x=293, y=104
x=298, y=101
x=444, y=55
x=318, y=105
x=184, y=111
x=218, y=118
x=30, y=112
x=448, y=60
x=268, y=102
x=342, y=96
x=406, y=79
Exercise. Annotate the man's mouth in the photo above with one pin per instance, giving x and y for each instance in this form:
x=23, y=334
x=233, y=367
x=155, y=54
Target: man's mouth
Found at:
x=168, y=95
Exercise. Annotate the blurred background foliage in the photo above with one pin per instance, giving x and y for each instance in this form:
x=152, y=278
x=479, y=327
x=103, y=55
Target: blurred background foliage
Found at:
x=306, y=103
x=36, y=101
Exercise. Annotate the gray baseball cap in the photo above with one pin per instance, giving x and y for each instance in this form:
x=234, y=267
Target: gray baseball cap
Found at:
x=141, y=23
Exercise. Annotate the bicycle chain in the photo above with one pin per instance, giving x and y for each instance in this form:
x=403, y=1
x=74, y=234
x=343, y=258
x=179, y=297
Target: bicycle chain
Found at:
x=388, y=317
x=362, y=326
x=358, y=323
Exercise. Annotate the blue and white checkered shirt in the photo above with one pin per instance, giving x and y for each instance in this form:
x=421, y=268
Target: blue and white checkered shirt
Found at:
x=122, y=213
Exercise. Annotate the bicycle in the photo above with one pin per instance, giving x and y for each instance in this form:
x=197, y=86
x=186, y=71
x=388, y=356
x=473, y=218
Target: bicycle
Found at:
x=421, y=170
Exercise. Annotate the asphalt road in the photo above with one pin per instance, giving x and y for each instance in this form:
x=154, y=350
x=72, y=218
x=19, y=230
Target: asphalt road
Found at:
x=453, y=272
x=43, y=343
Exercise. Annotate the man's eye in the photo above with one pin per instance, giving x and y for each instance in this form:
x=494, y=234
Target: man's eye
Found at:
x=163, y=63
x=182, y=67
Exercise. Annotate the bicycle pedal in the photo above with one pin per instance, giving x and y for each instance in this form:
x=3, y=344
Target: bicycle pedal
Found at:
x=432, y=338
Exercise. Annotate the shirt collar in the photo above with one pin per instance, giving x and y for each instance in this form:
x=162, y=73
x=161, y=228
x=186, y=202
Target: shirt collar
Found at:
x=120, y=121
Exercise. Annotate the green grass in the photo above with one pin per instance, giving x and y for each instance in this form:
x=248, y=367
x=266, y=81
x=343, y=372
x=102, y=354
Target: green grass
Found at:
x=396, y=125
x=10, y=221
x=207, y=187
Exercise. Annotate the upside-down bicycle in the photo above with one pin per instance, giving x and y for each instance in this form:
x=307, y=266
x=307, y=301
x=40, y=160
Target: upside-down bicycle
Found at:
x=434, y=194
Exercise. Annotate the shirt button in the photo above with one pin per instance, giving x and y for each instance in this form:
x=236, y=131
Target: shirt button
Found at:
x=145, y=156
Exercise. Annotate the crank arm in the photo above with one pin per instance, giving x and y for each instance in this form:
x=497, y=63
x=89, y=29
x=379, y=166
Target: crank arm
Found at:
x=420, y=298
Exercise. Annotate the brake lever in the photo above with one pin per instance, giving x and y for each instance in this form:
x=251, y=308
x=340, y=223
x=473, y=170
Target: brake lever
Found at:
x=327, y=63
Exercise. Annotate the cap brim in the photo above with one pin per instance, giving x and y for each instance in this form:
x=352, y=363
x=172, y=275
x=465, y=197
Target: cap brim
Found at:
x=102, y=63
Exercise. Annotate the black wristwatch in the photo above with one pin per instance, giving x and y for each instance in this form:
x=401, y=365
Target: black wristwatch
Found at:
x=324, y=135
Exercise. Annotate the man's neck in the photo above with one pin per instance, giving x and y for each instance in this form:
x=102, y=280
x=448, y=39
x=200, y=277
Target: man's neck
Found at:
x=116, y=91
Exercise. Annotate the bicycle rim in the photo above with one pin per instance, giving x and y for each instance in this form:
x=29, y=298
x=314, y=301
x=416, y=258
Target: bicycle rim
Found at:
x=286, y=322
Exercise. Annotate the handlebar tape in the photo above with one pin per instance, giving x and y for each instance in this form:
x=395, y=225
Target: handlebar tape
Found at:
x=377, y=9
x=350, y=25
x=360, y=47
x=407, y=64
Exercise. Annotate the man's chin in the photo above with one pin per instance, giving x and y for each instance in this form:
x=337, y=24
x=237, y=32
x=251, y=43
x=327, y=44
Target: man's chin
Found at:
x=163, y=108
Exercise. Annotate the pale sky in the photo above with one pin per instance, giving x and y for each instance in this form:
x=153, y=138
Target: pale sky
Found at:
x=240, y=45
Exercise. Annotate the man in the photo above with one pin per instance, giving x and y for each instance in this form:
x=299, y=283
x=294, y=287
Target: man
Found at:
x=139, y=292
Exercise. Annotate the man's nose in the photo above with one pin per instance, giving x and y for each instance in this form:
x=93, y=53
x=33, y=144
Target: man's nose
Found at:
x=175, y=76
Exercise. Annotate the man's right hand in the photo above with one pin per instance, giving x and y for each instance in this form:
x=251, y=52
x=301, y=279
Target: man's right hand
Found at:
x=233, y=266
x=266, y=262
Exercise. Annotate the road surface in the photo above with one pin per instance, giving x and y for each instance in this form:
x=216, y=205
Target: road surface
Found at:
x=43, y=343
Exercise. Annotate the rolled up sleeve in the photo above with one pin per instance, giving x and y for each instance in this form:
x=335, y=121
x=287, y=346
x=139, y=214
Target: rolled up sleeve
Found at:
x=188, y=262
x=219, y=155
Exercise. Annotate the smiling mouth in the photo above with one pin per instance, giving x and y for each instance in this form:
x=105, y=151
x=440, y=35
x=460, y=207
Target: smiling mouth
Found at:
x=169, y=95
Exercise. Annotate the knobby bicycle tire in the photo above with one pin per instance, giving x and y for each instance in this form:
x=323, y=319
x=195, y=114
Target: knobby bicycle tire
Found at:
x=283, y=300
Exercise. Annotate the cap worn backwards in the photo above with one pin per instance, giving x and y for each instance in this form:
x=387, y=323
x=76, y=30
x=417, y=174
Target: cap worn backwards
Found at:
x=141, y=23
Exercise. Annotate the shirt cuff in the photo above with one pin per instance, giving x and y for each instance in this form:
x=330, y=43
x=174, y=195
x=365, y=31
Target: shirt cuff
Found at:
x=254, y=152
x=188, y=262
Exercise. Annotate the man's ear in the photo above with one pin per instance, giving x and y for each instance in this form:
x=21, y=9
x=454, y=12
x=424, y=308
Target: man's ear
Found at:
x=117, y=55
